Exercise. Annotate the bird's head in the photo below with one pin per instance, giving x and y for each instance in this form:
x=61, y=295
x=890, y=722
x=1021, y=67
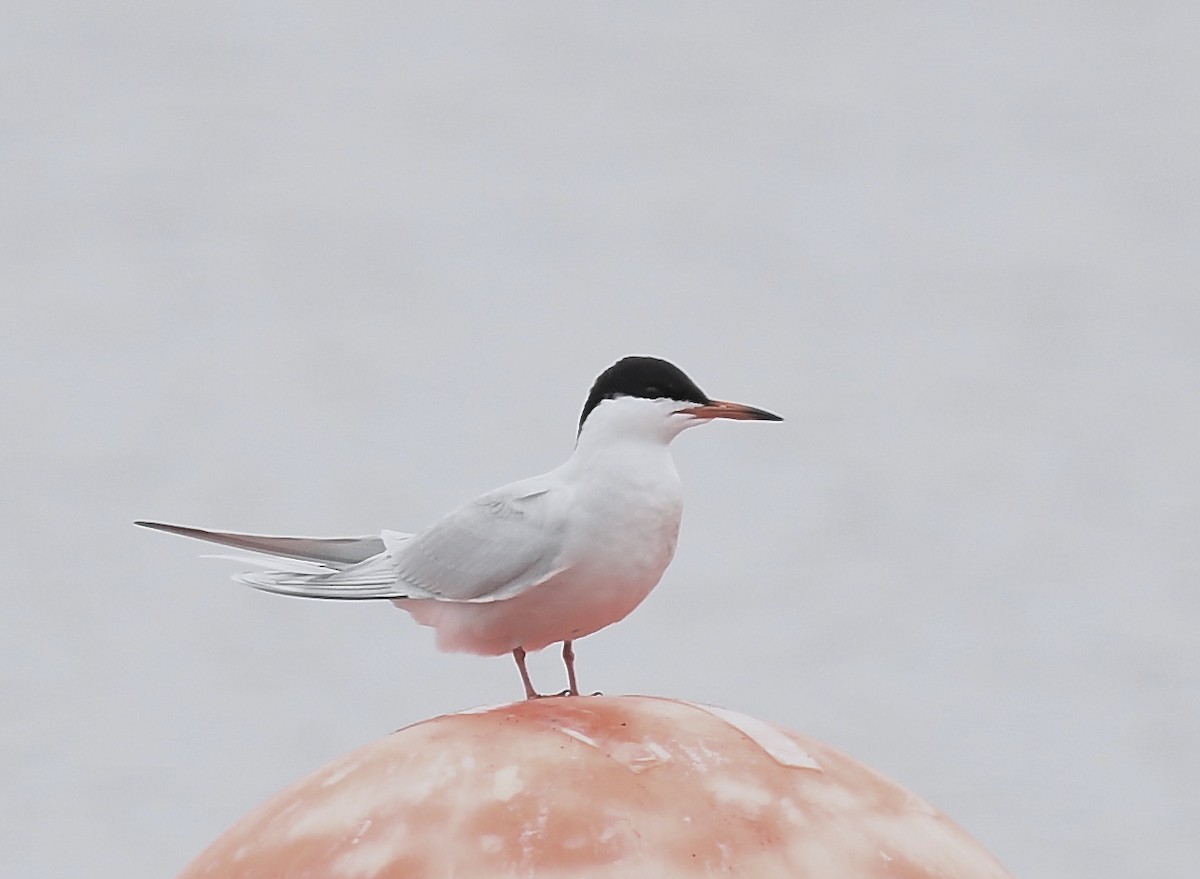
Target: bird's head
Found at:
x=646, y=395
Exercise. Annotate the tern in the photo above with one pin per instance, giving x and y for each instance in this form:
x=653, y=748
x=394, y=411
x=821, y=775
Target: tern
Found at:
x=545, y=560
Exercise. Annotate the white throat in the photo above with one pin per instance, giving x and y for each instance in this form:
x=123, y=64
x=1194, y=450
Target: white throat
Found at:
x=633, y=420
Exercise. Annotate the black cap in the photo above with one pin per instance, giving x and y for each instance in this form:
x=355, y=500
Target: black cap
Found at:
x=648, y=377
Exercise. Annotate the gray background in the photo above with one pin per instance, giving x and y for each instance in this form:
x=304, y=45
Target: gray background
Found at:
x=293, y=267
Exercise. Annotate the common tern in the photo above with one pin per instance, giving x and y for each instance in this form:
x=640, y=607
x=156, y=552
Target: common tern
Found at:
x=547, y=559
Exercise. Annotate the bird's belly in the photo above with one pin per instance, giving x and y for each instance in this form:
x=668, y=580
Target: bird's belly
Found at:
x=597, y=591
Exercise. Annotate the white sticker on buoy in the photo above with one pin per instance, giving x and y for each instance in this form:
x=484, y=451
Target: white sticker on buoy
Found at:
x=780, y=746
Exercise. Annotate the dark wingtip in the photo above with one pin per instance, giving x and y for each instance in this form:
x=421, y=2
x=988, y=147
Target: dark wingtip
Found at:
x=169, y=529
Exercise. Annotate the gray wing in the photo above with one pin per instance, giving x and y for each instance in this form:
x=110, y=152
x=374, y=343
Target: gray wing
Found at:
x=493, y=548
x=304, y=566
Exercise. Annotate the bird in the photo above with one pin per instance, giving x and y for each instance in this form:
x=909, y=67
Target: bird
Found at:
x=544, y=560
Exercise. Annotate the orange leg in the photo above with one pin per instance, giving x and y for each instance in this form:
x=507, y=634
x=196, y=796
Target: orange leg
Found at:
x=569, y=658
x=530, y=692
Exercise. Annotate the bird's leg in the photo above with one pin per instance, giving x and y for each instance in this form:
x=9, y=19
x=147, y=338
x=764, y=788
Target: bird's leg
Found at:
x=530, y=692
x=569, y=658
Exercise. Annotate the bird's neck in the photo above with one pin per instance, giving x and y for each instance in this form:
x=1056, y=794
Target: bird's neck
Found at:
x=597, y=449
x=622, y=459
x=628, y=439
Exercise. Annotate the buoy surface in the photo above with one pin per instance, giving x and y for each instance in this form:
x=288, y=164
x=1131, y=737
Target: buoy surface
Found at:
x=602, y=786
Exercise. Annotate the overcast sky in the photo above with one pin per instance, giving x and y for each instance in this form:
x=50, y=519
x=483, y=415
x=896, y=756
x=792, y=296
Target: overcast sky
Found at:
x=329, y=268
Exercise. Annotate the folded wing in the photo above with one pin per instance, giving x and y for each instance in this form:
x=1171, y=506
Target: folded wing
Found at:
x=491, y=549
x=496, y=547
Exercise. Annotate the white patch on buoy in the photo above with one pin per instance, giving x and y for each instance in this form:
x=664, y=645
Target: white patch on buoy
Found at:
x=578, y=736
x=338, y=774
x=658, y=751
x=792, y=812
x=638, y=756
x=329, y=810
x=362, y=829
x=835, y=797
x=777, y=744
x=534, y=833
x=506, y=783
x=367, y=860
x=704, y=758
x=749, y=797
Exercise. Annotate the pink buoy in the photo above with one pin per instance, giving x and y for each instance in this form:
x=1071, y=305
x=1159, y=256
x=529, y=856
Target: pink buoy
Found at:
x=597, y=787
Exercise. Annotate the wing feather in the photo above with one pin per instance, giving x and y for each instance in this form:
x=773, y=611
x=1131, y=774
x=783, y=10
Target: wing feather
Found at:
x=493, y=548
x=337, y=552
